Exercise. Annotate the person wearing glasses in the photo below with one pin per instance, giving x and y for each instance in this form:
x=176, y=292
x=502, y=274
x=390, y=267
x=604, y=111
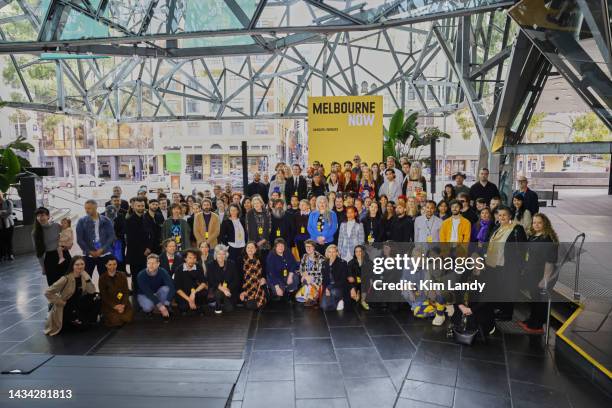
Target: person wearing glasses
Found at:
x=466, y=209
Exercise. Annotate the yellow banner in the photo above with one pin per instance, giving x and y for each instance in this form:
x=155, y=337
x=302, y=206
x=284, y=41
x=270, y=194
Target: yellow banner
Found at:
x=339, y=127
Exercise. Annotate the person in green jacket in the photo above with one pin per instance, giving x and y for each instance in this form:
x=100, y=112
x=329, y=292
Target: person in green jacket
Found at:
x=177, y=229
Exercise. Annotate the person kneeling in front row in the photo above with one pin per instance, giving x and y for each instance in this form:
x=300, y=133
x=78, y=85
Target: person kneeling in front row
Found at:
x=74, y=305
x=155, y=288
x=335, y=273
x=281, y=268
x=115, y=295
x=224, y=280
x=191, y=284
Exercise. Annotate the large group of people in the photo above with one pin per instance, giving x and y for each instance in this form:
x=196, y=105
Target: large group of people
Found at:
x=303, y=237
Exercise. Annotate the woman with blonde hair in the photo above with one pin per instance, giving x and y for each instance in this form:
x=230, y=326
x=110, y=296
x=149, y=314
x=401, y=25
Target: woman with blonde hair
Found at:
x=540, y=270
x=367, y=185
x=335, y=274
x=278, y=184
x=414, y=184
x=322, y=224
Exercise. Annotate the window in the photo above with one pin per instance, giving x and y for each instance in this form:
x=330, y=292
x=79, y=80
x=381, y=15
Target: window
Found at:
x=215, y=146
x=234, y=147
x=261, y=128
x=255, y=147
x=237, y=128
x=215, y=128
x=192, y=106
x=411, y=94
x=265, y=147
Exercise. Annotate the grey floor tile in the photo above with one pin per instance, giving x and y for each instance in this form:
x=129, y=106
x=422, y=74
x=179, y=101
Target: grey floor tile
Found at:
x=265, y=394
x=428, y=392
x=271, y=365
x=361, y=363
x=370, y=392
x=307, y=351
x=318, y=381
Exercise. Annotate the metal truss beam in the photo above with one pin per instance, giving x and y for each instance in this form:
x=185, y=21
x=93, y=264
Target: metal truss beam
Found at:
x=559, y=148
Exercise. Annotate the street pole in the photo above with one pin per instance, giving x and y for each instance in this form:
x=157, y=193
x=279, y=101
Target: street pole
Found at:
x=95, y=148
x=75, y=169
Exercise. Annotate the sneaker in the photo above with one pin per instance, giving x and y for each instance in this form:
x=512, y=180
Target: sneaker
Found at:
x=492, y=331
x=438, y=320
x=218, y=311
x=365, y=305
x=450, y=310
x=530, y=330
x=340, y=305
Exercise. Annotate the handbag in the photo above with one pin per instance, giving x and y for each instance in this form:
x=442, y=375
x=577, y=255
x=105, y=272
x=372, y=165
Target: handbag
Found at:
x=462, y=334
x=117, y=250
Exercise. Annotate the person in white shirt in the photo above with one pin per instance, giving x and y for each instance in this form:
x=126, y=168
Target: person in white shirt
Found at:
x=427, y=226
x=391, y=187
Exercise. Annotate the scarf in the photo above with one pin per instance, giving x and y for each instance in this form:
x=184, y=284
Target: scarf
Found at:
x=481, y=236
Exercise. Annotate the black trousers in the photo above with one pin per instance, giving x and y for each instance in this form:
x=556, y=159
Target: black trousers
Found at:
x=301, y=247
x=537, y=310
x=93, y=263
x=135, y=268
x=6, y=242
x=223, y=302
x=200, y=300
x=53, y=269
x=85, y=308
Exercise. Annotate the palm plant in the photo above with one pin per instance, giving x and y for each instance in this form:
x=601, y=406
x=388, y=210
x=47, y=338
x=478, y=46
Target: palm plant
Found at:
x=11, y=163
x=403, y=138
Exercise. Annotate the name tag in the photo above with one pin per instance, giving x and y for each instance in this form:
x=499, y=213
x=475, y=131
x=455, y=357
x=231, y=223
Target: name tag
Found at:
x=285, y=273
x=302, y=230
x=278, y=232
x=119, y=295
x=295, y=194
x=260, y=230
x=358, y=279
x=319, y=227
x=206, y=235
x=225, y=284
x=370, y=238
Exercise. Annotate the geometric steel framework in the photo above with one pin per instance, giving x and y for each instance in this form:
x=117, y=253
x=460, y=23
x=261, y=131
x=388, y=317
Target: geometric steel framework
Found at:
x=162, y=60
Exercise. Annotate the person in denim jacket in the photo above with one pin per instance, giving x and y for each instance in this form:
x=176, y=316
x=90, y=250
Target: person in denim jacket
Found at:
x=95, y=236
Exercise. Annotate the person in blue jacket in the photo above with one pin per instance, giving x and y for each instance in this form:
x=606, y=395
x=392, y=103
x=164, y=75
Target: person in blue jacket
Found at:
x=322, y=225
x=155, y=288
x=95, y=236
x=281, y=271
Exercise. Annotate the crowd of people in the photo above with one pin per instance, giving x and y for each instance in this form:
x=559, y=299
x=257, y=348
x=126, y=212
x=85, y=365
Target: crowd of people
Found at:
x=303, y=237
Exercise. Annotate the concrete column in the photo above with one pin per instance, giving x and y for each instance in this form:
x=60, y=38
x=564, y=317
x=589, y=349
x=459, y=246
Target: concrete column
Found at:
x=138, y=168
x=206, y=165
x=113, y=162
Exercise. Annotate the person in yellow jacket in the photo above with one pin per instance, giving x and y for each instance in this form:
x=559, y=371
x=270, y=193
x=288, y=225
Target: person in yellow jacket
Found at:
x=456, y=228
x=206, y=226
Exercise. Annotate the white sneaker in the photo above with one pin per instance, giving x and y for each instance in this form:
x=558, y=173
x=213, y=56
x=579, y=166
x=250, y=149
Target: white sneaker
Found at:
x=492, y=331
x=340, y=305
x=438, y=320
x=450, y=310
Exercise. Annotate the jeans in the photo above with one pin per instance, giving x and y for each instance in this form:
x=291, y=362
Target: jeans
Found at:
x=147, y=305
x=331, y=302
x=99, y=262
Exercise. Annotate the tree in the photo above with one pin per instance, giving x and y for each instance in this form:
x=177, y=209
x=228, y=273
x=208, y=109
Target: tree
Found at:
x=534, y=128
x=589, y=128
x=465, y=123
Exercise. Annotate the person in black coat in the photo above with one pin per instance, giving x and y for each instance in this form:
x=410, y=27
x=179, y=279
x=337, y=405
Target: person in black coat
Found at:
x=296, y=185
x=335, y=274
x=191, y=284
x=223, y=280
x=257, y=187
x=340, y=214
x=402, y=226
x=170, y=259
x=300, y=227
x=372, y=225
x=233, y=233
x=359, y=273
x=281, y=225
x=139, y=239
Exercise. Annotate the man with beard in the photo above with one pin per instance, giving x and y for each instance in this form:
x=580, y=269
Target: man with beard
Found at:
x=123, y=204
x=456, y=228
x=402, y=227
x=257, y=187
x=155, y=220
x=340, y=214
x=139, y=239
x=281, y=225
x=206, y=225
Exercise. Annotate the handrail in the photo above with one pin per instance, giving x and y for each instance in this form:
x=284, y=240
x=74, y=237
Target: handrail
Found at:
x=552, y=198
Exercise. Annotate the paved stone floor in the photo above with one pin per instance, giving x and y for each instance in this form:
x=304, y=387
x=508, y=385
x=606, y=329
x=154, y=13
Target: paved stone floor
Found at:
x=307, y=358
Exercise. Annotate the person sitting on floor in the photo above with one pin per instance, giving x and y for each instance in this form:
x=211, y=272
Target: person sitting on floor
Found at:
x=155, y=288
x=191, y=284
x=115, y=294
x=335, y=273
x=223, y=280
x=73, y=301
x=253, y=293
x=281, y=268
